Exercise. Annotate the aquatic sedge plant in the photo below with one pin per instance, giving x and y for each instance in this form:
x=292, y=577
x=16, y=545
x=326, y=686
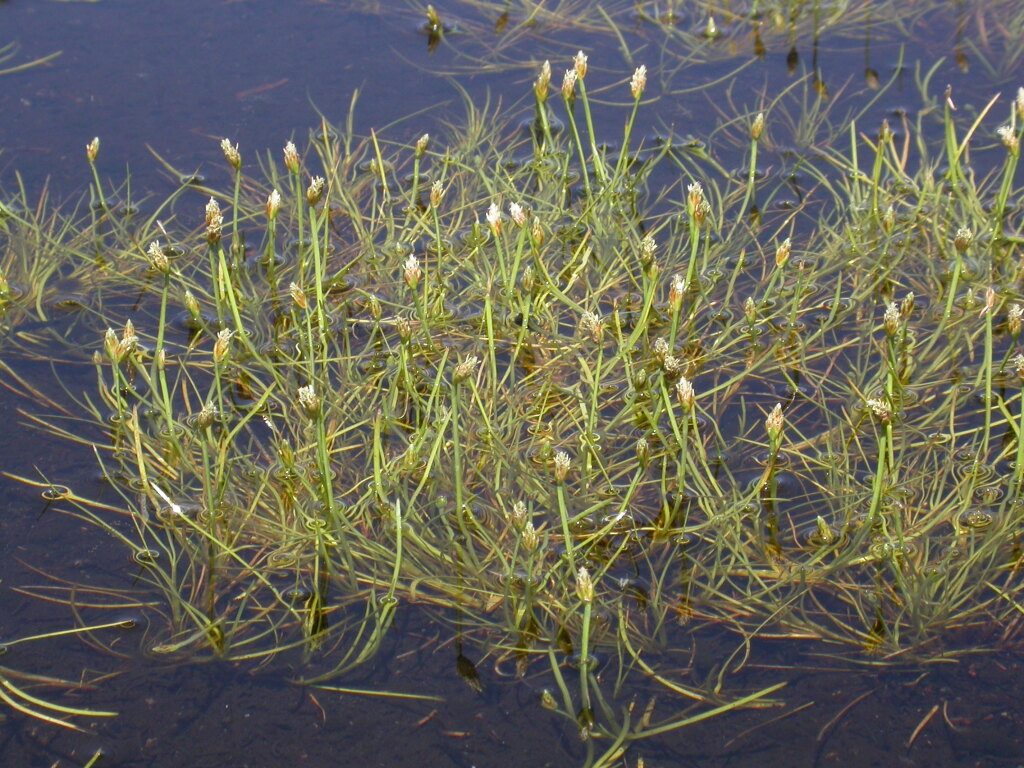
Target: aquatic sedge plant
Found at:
x=234, y=159
x=687, y=400
x=1010, y=136
x=756, y=131
x=697, y=209
x=551, y=401
x=585, y=592
x=562, y=465
x=637, y=86
x=961, y=242
x=92, y=151
x=542, y=122
x=461, y=376
x=581, y=66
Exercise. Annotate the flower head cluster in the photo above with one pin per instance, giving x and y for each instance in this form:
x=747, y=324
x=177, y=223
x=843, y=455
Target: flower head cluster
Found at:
x=1015, y=319
x=214, y=222
x=591, y=325
x=584, y=585
x=638, y=82
x=963, y=239
x=757, y=127
x=685, y=392
x=540, y=86
x=782, y=253
x=118, y=349
x=773, y=423
x=697, y=204
x=309, y=401
x=647, y=248
x=273, y=204
x=465, y=368
x=879, y=406
x=421, y=144
x=298, y=296
x=1009, y=138
x=1018, y=365
x=315, y=190
x=436, y=193
x=413, y=271
x=158, y=257
x=517, y=213
x=494, y=218
x=562, y=465
x=676, y=291
x=580, y=65
x=231, y=153
x=892, y=319
x=222, y=346
x=291, y=157
x=569, y=85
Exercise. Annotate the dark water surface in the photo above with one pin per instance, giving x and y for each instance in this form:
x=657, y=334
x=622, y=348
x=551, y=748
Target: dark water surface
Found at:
x=173, y=78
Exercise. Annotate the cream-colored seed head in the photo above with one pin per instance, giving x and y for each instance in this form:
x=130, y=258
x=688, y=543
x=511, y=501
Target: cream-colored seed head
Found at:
x=1009, y=138
x=685, y=392
x=494, y=217
x=231, y=153
x=309, y=401
x=580, y=65
x=584, y=585
x=591, y=325
x=562, y=465
x=638, y=82
x=783, y=252
x=676, y=291
x=222, y=346
x=530, y=537
x=1015, y=319
x=647, y=249
x=291, y=157
x=569, y=85
x=273, y=204
x=465, y=368
x=540, y=86
x=315, y=191
x=298, y=296
x=158, y=257
x=517, y=214
x=892, y=318
x=963, y=239
x=773, y=422
x=413, y=272
x=519, y=515
x=880, y=408
x=757, y=127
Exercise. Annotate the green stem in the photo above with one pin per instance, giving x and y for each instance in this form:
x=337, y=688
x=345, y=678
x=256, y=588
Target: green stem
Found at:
x=620, y=166
x=570, y=112
x=563, y=514
x=599, y=169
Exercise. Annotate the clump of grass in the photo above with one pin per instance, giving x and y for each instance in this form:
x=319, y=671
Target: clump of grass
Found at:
x=567, y=404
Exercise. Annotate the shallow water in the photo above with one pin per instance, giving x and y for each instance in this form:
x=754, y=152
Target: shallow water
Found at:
x=172, y=78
